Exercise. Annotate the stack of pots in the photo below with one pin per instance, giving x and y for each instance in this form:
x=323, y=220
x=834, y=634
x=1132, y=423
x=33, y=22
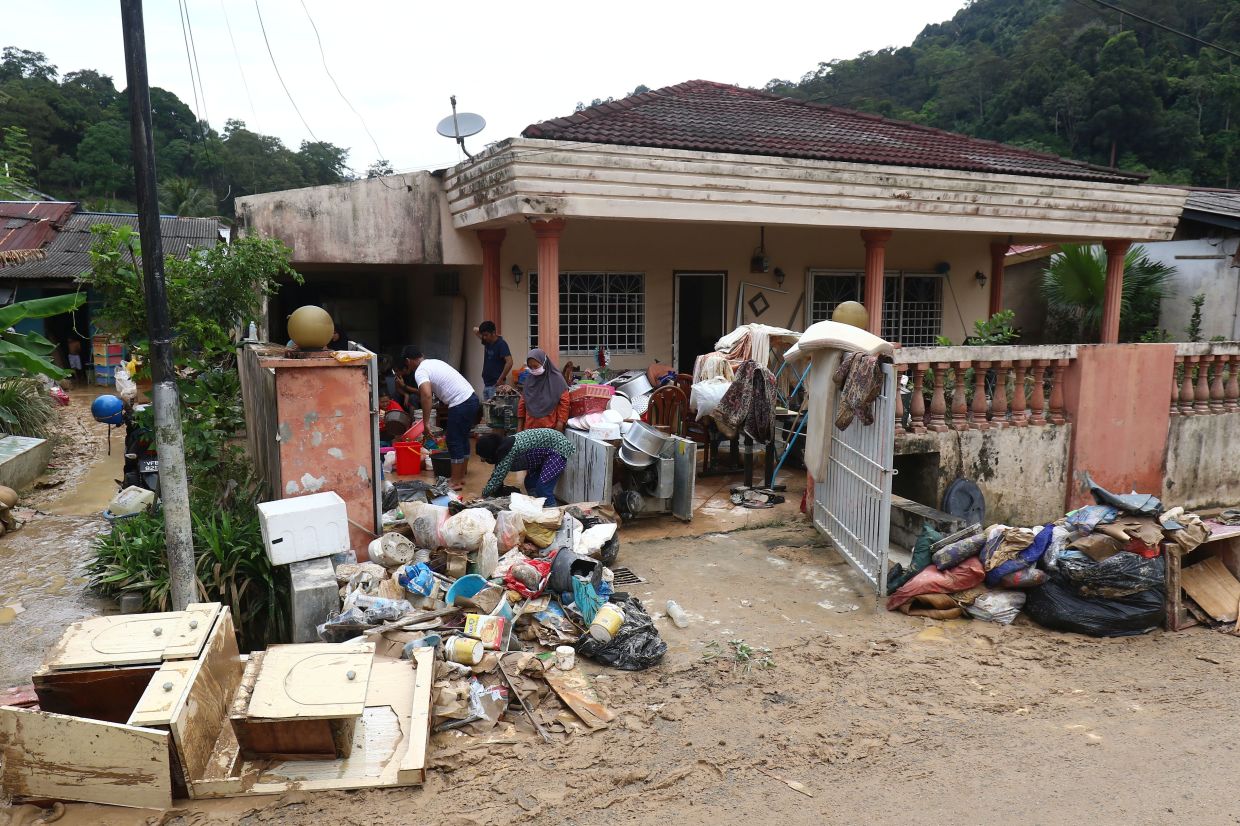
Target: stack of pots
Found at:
x=641, y=445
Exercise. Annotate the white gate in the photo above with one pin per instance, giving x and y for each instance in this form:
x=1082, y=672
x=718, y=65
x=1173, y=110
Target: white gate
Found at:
x=852, y=506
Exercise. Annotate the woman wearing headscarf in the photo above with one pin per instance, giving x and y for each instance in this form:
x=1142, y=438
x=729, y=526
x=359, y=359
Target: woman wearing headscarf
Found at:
x=544, y=397
x=541, y=453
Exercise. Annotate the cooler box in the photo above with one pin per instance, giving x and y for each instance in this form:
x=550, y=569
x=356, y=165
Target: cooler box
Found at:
x=304, y=527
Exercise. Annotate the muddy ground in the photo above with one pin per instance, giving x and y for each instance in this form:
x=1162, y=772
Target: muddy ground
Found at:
x=882, y=718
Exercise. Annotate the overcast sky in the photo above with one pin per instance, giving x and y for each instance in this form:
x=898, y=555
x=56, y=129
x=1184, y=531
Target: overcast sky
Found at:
x=397, y=62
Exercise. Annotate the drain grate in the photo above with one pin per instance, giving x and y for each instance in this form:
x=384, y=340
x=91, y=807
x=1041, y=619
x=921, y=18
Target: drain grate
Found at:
x=624, y=576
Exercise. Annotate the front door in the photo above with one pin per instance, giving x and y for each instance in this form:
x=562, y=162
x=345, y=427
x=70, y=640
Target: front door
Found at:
x=700, y=309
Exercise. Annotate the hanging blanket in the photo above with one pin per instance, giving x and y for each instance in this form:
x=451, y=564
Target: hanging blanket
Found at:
x=748, y=406
x=860, y=379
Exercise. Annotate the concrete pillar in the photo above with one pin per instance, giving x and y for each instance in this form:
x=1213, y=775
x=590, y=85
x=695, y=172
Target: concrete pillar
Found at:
x=492, y=240
x=875, y=251
x=998, y=253
x=548, y=231
x=1116, y=250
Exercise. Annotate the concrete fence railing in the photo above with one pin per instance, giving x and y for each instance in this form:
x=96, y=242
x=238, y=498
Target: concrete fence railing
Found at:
x=979, y=388
x=1206, y=378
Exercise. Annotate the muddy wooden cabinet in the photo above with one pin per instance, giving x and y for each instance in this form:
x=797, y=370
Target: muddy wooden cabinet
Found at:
x=139, y=710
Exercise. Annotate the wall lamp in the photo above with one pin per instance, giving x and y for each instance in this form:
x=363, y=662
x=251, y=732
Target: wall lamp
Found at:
x=779, y=277
x=516, y=275
x=981, y=278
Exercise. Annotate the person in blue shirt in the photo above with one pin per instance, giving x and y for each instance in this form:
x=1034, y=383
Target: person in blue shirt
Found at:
x=497, y=360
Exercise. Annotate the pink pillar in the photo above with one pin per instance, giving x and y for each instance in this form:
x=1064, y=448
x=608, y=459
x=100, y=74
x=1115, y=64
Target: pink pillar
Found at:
x=492, y=240
x=875, y=252
x=998, y=252
x=548, y=231
x=1116, y=250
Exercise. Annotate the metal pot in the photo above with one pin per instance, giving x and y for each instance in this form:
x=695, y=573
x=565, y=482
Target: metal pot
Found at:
x=646, y=439
x=634, y=384
x=395, y=423
x=635, y=457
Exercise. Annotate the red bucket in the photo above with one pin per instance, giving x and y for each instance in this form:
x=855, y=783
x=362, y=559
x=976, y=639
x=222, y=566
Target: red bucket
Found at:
x=408, y=458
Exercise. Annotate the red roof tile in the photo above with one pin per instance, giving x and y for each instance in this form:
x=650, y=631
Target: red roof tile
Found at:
x=715, y=117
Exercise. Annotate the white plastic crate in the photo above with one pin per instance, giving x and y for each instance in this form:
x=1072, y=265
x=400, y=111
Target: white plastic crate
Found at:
x=304, y=527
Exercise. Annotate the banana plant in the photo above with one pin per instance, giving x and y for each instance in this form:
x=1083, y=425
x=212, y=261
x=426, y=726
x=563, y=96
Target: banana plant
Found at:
x=27, y=354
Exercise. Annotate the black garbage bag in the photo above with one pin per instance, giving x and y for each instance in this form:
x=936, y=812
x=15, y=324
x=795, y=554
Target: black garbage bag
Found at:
x=408, y=490
x=635, y=647
x=1057, y=605
x=1119, y=575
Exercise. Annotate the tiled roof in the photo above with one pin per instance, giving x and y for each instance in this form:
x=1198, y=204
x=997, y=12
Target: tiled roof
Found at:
x=715, y=117
x=68, y=253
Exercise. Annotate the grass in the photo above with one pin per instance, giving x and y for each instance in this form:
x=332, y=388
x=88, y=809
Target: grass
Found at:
x=743, y=656
x=26, y=409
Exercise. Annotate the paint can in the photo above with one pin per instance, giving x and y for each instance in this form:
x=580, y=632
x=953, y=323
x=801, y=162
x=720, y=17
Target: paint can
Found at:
x=565, y=657
x=607, y=622
x=464, y=650
x=489, y=628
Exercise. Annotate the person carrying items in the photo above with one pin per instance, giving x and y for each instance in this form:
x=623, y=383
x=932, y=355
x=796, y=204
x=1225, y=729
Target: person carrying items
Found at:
x=496, y=360
x=544, y=398
x=435, y=378
x=542, y=453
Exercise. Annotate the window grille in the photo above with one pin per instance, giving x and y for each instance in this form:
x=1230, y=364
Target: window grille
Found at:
x=912, y=302
x=597, y=308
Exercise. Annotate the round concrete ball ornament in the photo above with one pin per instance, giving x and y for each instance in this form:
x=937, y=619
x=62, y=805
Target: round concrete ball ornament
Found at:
x=310, y=327
x=851, y=312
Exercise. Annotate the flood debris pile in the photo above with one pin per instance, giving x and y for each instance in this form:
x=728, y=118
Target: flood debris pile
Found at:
x=508, y=595
x=1100, y=570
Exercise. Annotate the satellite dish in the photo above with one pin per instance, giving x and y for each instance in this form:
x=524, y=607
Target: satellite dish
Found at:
x=460, y=125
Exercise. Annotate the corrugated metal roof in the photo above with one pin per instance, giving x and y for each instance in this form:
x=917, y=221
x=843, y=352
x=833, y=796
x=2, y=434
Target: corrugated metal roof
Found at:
x=68, y=254
x=1216, y=201
x=31, y=225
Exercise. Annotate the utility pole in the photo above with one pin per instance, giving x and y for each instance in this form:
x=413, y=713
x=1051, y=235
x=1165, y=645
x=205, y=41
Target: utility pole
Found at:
x=173, y=486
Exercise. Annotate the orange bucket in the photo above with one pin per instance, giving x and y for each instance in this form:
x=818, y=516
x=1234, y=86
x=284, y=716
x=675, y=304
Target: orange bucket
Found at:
x=408, y=458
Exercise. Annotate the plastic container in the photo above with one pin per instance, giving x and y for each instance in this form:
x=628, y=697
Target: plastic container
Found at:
x=607, y=622
x=442, y=463
x=466, y=586
x=565, y=657
x=464, y=650
x=677, y=614
x=408, y=458
x=304, y=527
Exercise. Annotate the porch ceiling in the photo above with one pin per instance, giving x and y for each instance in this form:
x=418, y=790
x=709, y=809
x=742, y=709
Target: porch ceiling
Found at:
x=522, y=178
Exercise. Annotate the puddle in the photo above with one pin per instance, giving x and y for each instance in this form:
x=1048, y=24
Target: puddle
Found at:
x=8, y=613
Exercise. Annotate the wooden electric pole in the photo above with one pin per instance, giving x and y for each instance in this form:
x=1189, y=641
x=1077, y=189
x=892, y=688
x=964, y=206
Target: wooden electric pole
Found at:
x=173, y=486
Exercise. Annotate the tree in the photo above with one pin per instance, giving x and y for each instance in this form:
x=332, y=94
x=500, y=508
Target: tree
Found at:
x=16, y=166
x=379, y=168
x=322, y=162
x=103, y=159
x=20, y=63
x=27, y=354
x=1074, y=287
x=184, y=197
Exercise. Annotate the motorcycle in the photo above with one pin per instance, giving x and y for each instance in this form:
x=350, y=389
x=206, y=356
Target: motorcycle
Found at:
x=141, y=467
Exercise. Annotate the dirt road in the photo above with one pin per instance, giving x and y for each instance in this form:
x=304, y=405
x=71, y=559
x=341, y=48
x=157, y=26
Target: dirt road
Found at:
x=881, y=717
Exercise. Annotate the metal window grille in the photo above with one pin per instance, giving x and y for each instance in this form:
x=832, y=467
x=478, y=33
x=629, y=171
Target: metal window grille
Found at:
x=912, y=302
x=596, y=309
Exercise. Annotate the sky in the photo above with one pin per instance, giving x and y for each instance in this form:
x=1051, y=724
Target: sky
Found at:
x=397, y=62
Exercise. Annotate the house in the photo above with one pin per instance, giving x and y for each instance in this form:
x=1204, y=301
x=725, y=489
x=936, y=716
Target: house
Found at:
x=652, y=224
x=61, y=230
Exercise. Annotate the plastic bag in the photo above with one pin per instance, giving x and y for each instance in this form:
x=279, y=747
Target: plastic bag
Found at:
x=427, y=523
x=635, y=647
x=1060, y=537
x=1057, y=605
x=488, y=556
x=527, y=507
x=1023, y=578
x=933, y=581
x=509, y=529
x=125, y=386
x=590, y=542
x=417, y=579
x=997, y=606
x=705, y=395
x=467, y=528
x=345, y=626
x=1119, y=575
x=542, y=568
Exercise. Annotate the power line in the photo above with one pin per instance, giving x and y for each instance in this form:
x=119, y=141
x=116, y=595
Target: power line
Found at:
x=197, y=65
x=287, y=94
x=189, y=61
x=323, y=55
x=237, y=55
x=1167, y=28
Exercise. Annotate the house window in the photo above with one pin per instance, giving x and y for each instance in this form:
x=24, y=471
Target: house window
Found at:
x=912, y=302
x=597, y=308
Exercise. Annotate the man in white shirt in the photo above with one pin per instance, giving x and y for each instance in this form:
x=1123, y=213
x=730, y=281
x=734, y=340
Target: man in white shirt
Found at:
x=436, y=378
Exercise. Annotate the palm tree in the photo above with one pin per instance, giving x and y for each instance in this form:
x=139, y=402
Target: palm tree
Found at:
x=1074, y=287
x=184, y=197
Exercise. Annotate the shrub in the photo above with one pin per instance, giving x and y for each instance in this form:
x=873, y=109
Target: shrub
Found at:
x=26, y=409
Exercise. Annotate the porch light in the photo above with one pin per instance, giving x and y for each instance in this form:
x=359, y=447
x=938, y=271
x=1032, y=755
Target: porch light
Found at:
x=516, y=275
x=779, y=277
x=981, y=278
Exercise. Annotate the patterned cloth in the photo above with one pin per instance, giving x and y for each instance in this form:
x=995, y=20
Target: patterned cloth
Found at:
x=542, y=453
x=748, y=406
x=860, y=379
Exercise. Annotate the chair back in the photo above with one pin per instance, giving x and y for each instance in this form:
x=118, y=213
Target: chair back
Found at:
x=668, y=410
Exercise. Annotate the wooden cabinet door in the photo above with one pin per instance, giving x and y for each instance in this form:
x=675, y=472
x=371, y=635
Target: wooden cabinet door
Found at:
x=133, y=639
x=312, y=681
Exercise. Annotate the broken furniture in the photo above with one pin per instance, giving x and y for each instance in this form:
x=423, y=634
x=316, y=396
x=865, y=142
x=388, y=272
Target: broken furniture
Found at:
x=1208, y=576
x=137, y=710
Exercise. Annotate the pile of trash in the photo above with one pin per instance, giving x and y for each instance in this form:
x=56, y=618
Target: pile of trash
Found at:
x=509, y=594
x=1099, y=570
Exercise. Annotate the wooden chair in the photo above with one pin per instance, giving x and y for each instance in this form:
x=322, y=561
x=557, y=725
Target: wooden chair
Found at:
x=668, y=410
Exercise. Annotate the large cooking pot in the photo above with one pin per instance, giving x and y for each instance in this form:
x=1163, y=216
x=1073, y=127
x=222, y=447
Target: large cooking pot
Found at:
x=634, y=384
x=395, y=424
x=633, y=457
x=646, y=439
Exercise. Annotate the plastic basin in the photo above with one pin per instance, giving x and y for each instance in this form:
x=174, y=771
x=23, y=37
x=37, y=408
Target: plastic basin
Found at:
x=466, y=586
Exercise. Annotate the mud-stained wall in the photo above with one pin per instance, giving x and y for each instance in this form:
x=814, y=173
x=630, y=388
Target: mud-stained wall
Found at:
x=1201, y=462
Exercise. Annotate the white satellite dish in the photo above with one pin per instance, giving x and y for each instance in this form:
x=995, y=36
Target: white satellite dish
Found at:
x=461, y=125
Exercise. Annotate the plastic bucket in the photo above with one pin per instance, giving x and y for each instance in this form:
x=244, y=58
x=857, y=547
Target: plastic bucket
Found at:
x=466, y=586
x=442, y=463
x=408, y=458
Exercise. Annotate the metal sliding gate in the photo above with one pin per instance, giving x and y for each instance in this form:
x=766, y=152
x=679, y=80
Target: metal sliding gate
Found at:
x=852, y=506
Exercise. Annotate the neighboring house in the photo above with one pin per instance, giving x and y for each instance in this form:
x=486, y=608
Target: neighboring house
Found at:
x=662, y=220
x=62, y=232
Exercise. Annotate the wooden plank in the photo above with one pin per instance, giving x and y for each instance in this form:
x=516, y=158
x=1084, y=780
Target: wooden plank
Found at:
x=588, y=475
x=574, y=689
x=413, y=762
x=68, y=758
x=311, y=681
x=258, y=392
x=197, y=721
x=1213, y=588
x=165, y=693
x=192, y=635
